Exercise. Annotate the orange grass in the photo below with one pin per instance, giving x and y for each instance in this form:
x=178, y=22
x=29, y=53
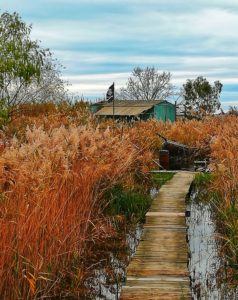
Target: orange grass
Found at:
x=51, y=188
x=224, y=153
x=53, y=176
x=215, y=137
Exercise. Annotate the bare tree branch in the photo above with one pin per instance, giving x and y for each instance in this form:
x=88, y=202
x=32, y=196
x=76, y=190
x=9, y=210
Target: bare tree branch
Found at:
x=147, y=84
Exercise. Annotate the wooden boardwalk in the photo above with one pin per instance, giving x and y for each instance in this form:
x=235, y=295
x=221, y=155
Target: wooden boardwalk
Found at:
x=159, y=268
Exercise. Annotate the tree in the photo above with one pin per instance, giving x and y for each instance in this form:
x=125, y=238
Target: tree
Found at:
x=147, y=84
x=49, y=86
x=233, y=110
x=27, y=71
x=200, y=98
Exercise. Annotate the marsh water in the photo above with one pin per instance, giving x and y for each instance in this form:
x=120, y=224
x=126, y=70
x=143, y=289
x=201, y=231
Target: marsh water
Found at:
x=109, y=276
x=207, y=268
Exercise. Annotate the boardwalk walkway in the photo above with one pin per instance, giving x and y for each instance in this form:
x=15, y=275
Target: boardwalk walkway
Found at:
x=159, y=268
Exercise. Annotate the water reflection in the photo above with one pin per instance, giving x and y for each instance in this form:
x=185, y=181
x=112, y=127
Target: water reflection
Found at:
x=108, y=277
x=205, y=263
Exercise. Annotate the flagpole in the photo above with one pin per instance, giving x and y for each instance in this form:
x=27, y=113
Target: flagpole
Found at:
x=113, y=104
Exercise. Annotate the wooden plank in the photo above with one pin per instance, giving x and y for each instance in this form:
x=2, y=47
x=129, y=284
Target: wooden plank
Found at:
x=159, y=268
x=165, y=214
x=166, y=221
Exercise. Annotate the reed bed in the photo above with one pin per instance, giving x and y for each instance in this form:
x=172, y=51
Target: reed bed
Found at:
x=54, y=173
x=51, y=205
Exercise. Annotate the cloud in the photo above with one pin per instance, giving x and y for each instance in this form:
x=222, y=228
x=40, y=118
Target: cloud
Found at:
x=221, y=68
x=96, y=85
x=231, y=103
x=100, y=41
x=211, y=27
x=182, y=3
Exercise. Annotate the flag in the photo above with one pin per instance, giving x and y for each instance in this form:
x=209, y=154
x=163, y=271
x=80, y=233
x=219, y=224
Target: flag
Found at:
x=110, y=93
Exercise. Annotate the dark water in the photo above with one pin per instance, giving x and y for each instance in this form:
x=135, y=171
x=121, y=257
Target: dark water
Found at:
x=107, y=280
x=208, y=271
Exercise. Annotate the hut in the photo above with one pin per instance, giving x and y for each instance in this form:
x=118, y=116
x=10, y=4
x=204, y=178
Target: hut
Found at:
x=128, y=110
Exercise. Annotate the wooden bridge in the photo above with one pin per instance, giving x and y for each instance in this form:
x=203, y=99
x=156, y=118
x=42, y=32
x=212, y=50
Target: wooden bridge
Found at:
x=159, y=268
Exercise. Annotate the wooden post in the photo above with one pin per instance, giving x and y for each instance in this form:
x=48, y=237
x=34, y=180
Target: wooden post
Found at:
x=113, y=103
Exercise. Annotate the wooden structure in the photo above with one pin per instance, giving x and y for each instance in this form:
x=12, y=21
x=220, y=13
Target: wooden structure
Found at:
x=137, y=110
x=180, y=155
x=159, y=268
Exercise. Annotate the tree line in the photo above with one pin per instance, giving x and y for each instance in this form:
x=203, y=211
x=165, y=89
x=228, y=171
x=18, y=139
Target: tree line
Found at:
x=29, y=72
x=199, y=96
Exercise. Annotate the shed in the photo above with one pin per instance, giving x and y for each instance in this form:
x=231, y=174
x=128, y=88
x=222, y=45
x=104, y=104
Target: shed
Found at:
x=137, y=110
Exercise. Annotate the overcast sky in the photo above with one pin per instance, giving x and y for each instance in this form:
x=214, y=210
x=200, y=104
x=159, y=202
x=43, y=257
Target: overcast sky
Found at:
x=101, y=41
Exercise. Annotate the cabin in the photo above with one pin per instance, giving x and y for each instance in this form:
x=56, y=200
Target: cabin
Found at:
x=128, y=110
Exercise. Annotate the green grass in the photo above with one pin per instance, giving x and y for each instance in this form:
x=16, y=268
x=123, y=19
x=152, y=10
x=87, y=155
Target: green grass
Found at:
x=201, y=184
x=202, y=179
x=132, y=204
x=161, y=178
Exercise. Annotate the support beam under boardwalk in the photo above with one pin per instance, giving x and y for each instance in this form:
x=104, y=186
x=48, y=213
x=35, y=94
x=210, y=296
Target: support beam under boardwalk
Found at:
x=159, y=268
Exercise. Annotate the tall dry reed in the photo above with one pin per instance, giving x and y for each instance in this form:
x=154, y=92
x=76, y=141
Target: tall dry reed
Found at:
x=51, y=188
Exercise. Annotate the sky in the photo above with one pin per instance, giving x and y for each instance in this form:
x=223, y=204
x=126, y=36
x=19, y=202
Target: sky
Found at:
x=101, y=41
